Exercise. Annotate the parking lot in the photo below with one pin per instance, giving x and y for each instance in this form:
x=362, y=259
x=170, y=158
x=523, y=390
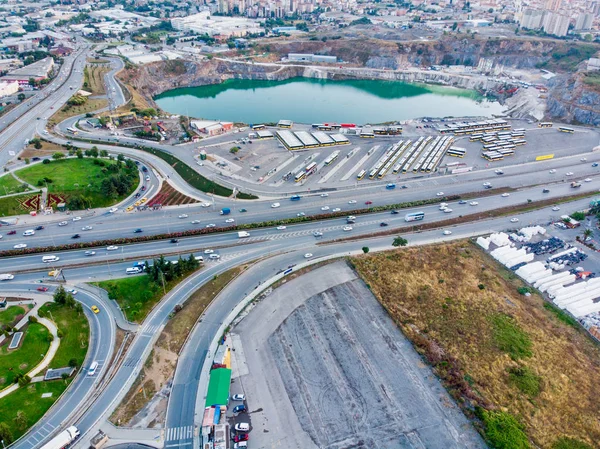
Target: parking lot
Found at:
x=323, y=366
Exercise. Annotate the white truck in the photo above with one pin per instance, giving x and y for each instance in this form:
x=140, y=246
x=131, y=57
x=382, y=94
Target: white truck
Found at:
x=63, y=439
x=6, y=277
x=242, y=234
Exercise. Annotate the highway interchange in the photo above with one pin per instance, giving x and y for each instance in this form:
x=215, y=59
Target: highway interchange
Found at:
x=89, y=401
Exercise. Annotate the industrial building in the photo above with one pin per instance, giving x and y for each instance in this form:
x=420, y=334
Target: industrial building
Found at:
x=204, y=23
x=39, y=70
x=301, y=140
x=8, y=88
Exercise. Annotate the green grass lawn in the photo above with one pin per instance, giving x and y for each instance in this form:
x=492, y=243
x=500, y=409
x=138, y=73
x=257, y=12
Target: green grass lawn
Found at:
x=33, y=347
x=12, y=205
x=136, y=295
x=9, y=184
x=76, y=333
x=29, y=401
x=74, y=177
x=8, y=316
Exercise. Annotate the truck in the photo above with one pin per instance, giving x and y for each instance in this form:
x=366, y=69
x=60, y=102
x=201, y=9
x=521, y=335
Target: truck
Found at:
x=63, y=439
x=225, y=211
x=242, y=234
x=575, y=184
x=6, y=277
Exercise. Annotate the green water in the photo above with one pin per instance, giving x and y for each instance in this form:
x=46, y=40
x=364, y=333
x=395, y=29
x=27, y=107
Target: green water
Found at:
x=307, y=100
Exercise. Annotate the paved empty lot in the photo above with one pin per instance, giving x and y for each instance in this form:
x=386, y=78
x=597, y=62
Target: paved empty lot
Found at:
x=323, y=366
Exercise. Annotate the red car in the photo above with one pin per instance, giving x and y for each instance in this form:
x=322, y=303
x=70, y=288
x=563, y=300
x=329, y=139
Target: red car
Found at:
x=42, y=289
x=241, y=437
x=13, y=232
x=368, y=202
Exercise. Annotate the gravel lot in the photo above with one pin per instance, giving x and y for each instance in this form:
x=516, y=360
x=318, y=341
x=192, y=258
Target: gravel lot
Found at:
x=322, y=365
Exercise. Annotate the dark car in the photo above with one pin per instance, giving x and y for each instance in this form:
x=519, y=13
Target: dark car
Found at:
x=39, y=228
x=546, y=191
x=42, y=289
x=138, y=230
x=174, y=240
x=395, y=212
x=13, y=232
x=144, y=169
x=368, y=202
x=405, y=187
x=143, y=188
x=76, y=236
x=595, y=164
x=35, y=158
x=462, y=202
x=239, y=408
x=137, y=195
x=241, y=437
x=383, y=223
x=243, y=210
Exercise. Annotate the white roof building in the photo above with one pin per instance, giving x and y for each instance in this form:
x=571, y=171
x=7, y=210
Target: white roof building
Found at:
x=204, y=23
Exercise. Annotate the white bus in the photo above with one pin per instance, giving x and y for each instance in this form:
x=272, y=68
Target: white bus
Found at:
x=72, y=130
x=48, y=259
x=415, y=216
x=361, y=174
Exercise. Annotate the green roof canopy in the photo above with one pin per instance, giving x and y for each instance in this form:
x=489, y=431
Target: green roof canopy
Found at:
x=218, y=387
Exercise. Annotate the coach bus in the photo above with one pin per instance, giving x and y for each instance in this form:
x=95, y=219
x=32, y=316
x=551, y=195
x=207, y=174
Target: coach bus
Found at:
x=415, y=216
x=72, y=130
x=545, y=124
x=564, y=129
x=456, y=152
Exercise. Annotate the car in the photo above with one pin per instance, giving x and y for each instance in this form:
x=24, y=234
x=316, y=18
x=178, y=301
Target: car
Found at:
x=595, y=164
x=395, y=212
x=211, y=225
x=552, y=171
x=368, y=202
x=205, y=204
x=241, y=437
x=588, y=179
x=241, y=444
x=112, y=248
x=447, y=210
x=143, y=188
x=462, y=202
x=87, y=228
x=195, y=222
x=208, y=251
x=138, y=230
x=239, y=408
x=556, y=208
x=514, y=220
x=486, y=184
x=281, y=228
x=325, y=208
x=583, y=159
x=20, y=246
x=243, y=210
x=76, y=218
x=28, y=232
x=39, y=228
x=300, y=214
x=498, y=171
x=447, y=232
x=336, y=209
x=324, y=195
x=569, y=173
x=183, y=216
x=275, y=205
x=383, y=224
x=95, y=309
x=75, y=236
x=230, y=220
x=42, y=289
x=90, y=253
x=505, y=194
x=546, y=191
x=347, y=228
x=113, y=210
x=242, y=427
x=352, y=202
x=238, y=397
x=72, y=291
x=318, y=234
x=390, y=186
x=63, y=223
x=473, y=203
x=174, y=240
x=214, y=256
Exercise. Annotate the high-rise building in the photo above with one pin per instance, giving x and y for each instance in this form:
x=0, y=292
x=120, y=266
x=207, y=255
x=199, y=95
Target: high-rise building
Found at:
x=556, y=24
x=553, y=5
x=584, y=21
x=532, y=19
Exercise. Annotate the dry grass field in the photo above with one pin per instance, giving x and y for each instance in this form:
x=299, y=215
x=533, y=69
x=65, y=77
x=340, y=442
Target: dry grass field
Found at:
x=524, y=371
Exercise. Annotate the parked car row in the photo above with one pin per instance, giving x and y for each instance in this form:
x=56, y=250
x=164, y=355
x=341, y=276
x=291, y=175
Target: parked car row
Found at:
x=547, y=246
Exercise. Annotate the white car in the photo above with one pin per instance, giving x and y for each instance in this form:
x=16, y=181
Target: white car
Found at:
x=211, y=225
x=63, y=223
x=275, y=205
x=29, y=232
x=485, y=184
x=446, y=232
x=514, y=220
x=183, y=216
x=242, y=427
x=20, y=246
x=308, y=255
x=498, y=171
x=440, y=194
x=552, y=171
x=90, y=253
x=195, y=221
x=214, y=256
x=318, y=234
x=281, y=228
x=205, y=205
x=569, y=173
x=352, y=202
x=238, y=397
x=447, y=210
x=300, y=214
x=324, y=195
x=505, y=194
x=76, y=218
x=337, y=209
x=556, y=208
x=72, y=291
x=325, y=208
x=87, y=228
x=112, y=248
x=583, y=159
x=230, y=220
x=347, y=228
x=588, y=179
x=208, y=251
x=113, y=210
x=473, y=203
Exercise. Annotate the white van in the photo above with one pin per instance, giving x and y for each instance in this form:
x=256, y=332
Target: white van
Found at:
x=133, y=270
x=29, y=232
x=48, y=259
x=92, y=369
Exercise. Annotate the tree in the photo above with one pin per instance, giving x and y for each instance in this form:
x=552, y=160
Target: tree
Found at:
x=79, y=154
x=365, y=249
x=56, y=156
x=73, y=363
x=588, y=233
x=60, y=295
x=21, y=419
x=588, y=37
x=234, y=150
x=93, y=152
x=454, y=26
x=399, y=241
x=5, y=433
x=21, y=96
x=64, y=376
x=103, y=153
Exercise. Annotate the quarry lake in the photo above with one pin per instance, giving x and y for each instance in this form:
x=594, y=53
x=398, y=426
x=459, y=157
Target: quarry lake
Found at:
x=306, y=100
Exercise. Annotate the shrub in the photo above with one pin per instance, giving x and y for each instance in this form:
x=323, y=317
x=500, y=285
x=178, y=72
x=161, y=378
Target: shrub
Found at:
x=73, y=363
x=32, y=319
x=365, y=249
x=504, y=431
x=525, y=380
x=509, y=337
x=481, y=287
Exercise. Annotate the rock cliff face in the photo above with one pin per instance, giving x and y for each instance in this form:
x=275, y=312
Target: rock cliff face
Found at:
x=570, y=100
